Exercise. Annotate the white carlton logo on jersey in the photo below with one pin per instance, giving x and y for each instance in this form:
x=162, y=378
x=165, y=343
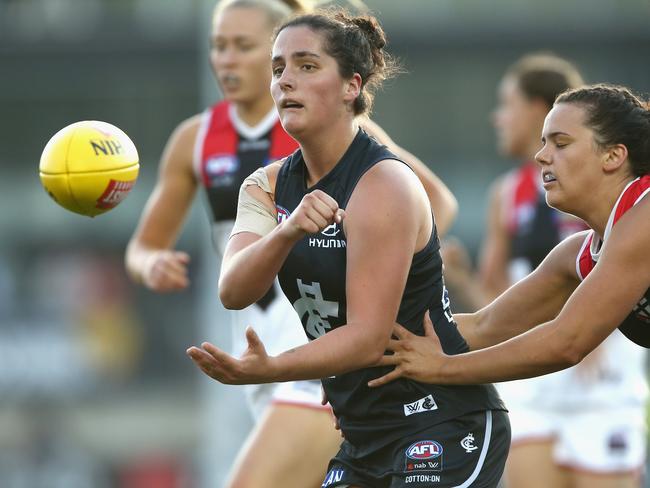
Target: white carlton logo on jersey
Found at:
x=327, y=239
x=331, y=230
x=316, y=307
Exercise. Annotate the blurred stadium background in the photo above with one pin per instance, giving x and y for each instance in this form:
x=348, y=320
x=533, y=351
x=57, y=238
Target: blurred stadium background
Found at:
x=95, y=388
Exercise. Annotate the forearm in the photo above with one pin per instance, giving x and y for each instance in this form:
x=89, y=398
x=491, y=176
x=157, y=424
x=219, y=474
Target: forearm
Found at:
x=136, y=259
x=340, y=351
x=248, y=273
x=534, y=353
x=482, y=329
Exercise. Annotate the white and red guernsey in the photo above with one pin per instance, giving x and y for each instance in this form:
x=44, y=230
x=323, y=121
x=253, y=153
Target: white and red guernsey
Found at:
x=636, y=325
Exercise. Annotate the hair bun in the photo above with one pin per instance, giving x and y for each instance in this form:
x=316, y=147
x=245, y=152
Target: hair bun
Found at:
x=372, y=31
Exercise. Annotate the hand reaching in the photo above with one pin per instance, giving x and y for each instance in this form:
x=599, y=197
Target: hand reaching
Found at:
x=254, y=366
x=166, y=271
x=415, y=357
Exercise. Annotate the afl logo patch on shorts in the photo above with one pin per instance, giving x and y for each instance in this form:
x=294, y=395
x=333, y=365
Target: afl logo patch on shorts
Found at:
x=423, y=456
x=283, y=213
x=424, y=450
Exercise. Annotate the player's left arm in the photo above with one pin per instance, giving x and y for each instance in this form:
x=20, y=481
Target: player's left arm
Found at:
x=382, y=236
x=442, y=200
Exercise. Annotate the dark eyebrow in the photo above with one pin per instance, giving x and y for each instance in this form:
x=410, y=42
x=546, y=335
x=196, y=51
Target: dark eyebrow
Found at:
x=304, y=54
x=296, y=55
x=554, y=134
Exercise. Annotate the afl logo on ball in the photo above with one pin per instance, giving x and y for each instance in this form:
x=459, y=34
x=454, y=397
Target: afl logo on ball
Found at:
x=424, y=450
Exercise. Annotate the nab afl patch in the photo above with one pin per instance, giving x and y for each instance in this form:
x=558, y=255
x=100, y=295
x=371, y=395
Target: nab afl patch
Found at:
x=283, y=213
x=423, y=456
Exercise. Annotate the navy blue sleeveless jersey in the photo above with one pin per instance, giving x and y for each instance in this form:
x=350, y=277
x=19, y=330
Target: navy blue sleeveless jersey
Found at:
x=313, y=278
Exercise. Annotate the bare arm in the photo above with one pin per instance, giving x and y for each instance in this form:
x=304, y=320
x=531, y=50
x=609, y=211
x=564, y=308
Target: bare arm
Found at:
x=592, y=312
x=251, y=262
x=476, y=289
x=150, y=258
x=442, y=200
x=372, y=303
x=535, y=299
x=495, y=249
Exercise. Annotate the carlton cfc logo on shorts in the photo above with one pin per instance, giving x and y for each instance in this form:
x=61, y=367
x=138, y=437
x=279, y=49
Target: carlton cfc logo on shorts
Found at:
x=424, y=456
x=283, y=213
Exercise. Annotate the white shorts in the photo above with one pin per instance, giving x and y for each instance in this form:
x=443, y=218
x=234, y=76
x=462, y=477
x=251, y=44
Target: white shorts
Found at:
x=305, y=394
x=594, y=412
x=598, y=441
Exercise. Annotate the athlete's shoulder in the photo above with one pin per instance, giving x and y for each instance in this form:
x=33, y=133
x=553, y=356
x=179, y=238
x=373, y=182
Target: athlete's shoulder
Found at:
x=635, y=191
x=180, y=145
x=188, y=128
x=272, y=170
x=390, y=182
x=375, y=131
x=634, y=219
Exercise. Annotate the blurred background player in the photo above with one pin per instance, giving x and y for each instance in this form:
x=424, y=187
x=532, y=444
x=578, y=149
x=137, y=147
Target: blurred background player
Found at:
x=577, y=427
x=217, y=149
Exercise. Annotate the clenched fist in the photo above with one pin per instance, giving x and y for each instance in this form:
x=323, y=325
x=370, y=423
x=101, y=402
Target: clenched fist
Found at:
x=316, y=211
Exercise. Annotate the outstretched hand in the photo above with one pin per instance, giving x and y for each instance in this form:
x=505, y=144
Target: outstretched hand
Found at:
x=166, y=271
x=254, y=366
x=415, y=357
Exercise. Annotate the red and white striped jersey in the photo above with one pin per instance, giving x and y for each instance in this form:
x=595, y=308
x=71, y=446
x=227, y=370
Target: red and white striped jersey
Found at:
x=636, y=325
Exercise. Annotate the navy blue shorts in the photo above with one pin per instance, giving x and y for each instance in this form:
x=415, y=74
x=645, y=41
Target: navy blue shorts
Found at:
x=467, y=451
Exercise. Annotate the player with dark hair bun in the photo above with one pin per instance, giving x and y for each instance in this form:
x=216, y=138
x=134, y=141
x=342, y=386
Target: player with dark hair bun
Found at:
x=347, y=227
x=216, y=150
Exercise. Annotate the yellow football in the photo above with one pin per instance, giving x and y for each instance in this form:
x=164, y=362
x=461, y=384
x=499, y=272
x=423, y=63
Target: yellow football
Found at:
x=89, y=167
